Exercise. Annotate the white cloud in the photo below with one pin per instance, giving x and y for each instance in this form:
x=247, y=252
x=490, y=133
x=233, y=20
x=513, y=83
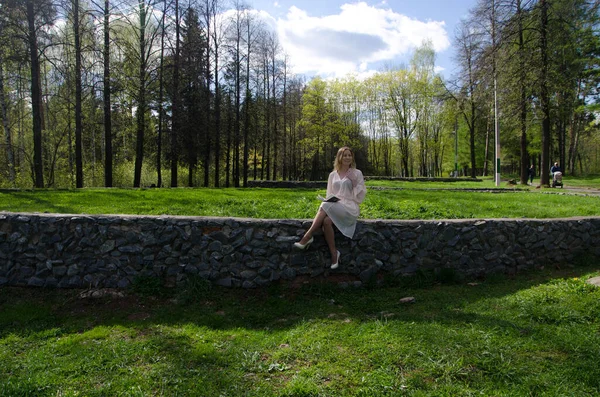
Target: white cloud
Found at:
x=355, y=39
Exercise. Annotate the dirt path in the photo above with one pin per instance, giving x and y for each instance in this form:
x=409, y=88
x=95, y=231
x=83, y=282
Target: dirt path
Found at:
x=588, y=191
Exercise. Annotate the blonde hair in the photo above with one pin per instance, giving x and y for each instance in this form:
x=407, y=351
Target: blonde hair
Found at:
x=337, y=163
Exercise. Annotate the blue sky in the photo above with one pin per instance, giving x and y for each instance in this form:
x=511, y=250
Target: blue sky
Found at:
x=332, y=38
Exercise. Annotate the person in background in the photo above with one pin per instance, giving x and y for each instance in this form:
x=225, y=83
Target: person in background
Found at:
x=346, y=183
x=554, y=169
x=531, y=173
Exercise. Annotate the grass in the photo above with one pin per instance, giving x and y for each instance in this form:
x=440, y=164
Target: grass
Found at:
x=583, y=181
x=590, y=181
x=533, y=335
x=485, y=183
x=397, y=200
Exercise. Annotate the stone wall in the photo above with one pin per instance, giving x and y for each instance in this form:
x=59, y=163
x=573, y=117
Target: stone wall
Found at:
x=46, y=250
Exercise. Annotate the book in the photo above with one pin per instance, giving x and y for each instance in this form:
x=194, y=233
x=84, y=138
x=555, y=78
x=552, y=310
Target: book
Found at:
x=330, y=199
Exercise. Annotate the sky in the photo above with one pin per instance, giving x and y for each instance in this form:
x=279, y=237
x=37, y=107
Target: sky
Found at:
x=334, y=38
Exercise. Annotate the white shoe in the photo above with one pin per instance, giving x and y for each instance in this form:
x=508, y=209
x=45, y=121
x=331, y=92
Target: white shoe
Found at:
x=337, y=262
x=304, y=246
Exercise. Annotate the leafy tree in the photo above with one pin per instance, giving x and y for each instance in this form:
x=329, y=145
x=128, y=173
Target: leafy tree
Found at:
x=27, y=20
x=193, y=88
x=141, y=52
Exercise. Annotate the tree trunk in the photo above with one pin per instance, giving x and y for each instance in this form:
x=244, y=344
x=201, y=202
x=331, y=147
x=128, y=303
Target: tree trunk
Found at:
x=36, y=98
x=275, y=133
x=523, y=99
x=247, y=101
x=176, y=122
x=217, y=26
x=161, y=111
x=472, y=140
x=108, y=153
x=141, y=109
x=285, y=156
x=267, y=155
x=544, y=96
x=228, y=142
x=217, y=132
x=10, y=157
x=573, y=142
x=209, y=23
x=487, y=148
x=78, y=116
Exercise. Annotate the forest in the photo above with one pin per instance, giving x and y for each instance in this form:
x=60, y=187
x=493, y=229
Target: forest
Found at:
x=170, y=93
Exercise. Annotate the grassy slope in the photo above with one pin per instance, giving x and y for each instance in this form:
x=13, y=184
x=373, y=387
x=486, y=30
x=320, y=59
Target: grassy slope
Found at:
x=425, y=202
x=536, y=334
x=533, y=335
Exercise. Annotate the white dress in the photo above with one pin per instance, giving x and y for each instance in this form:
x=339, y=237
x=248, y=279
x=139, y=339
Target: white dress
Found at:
x=351, y=191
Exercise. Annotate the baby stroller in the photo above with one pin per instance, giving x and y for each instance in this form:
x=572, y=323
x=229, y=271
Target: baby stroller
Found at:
x=557, y=179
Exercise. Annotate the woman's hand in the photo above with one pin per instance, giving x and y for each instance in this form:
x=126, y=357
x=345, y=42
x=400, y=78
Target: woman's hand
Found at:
x=353, y=177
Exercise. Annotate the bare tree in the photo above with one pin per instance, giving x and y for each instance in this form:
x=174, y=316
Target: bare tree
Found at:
x=161, y=98
x=33, y=8
x=78, y=92
x=176, y=119
x=252, y=32
x=469, y=49
x=108, y=151
x=235, y=35
x=145, y=31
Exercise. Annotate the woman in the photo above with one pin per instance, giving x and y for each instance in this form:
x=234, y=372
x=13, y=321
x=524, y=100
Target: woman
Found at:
x=348, y=185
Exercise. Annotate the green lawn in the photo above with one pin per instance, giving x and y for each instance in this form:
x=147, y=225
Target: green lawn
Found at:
x=420, y=201
x=591, y=181
x=535, y=335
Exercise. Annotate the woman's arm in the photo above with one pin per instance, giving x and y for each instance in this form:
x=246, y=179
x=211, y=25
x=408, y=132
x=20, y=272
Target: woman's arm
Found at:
x=359, y=190
x=329, y=185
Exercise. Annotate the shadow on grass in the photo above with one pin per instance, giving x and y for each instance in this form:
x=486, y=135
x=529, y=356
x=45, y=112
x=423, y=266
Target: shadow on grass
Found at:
x=198, y=339
x=77, y=201
x=280, y=306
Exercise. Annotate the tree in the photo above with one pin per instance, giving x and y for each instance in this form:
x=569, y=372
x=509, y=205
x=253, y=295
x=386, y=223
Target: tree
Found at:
x=517, y=29
x=78, y=89
x=142, y=55
x=28, y=18
x=469, y=45
x=313, y=122
x=108, y=152
x=403, y=99
x=240, y=31
x=193, y=88
x=213, y=25
x=33, y=10
x=252, y=31
x=10, y=157
x=176, y=111
x=161, y=105
x=544, y=93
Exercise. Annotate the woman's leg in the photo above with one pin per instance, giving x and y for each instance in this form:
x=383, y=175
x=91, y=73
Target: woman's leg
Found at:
x=316, y=225
x=330, y=238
